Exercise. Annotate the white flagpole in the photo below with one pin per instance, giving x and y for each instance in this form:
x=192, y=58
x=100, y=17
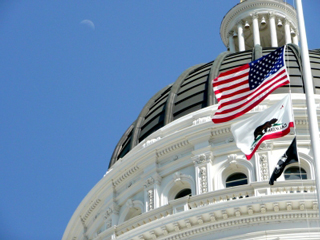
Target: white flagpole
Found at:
x=308, y=84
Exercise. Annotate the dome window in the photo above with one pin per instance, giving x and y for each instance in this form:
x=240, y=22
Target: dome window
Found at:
x=236, y=179
x=294, y=173
x=183, y=193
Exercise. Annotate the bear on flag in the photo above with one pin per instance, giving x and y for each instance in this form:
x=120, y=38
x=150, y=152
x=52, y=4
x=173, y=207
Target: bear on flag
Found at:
x=241, y=89
x=273, y=122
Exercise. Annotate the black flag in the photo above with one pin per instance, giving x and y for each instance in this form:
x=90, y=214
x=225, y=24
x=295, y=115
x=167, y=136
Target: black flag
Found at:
x=290, y=156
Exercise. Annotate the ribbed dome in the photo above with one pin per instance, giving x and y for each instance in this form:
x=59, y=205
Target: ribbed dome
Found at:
x=192, y=91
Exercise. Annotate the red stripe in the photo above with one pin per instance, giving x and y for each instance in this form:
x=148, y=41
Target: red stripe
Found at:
x=218, y=82
x=253, y=94
x=271, y=136
x=232, y=86
x=234, y=70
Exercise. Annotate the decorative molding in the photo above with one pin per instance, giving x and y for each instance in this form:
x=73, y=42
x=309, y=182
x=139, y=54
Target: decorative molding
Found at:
x=220, y=131
x=89, y=211
x=129, y=203
x=188, y=223
x=150, y=142
x=259, y=108
x=149, y=182
x=108, y=213
x=125, y=175
x=266, y=146
x=203, y=179
x=202, y=158
x=164, y=230
x=151, y=199
x=264, y=167
x=153, y=235
x=239, y=221
x=301, y=122
x=201, y=120
x=254, y=15
x=171, y=148
x=177, y=176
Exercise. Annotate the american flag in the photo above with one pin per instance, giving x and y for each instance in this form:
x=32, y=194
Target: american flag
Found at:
x=241, y=89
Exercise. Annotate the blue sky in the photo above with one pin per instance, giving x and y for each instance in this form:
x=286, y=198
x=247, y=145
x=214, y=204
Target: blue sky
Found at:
x=70, y=89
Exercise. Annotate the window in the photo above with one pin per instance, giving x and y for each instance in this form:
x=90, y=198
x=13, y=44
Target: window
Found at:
x=183, y=193
x=236, y=179
x=294, y=173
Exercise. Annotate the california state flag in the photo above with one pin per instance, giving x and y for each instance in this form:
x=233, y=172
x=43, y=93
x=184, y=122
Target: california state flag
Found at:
x=273, y=122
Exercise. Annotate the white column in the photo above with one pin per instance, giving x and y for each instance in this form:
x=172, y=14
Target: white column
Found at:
x=231, y=43
x=256, y=32
x=273, y=30
x=241, y=37
x=287, y=31
x=295, y=38
x=203, y=176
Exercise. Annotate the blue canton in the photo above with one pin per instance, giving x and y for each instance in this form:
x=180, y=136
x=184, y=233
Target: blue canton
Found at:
x=262, y=68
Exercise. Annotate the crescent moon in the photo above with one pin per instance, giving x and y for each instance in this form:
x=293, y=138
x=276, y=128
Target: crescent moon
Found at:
x=88, y=23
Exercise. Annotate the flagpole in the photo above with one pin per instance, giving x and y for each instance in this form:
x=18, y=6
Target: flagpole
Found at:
x=309, y=92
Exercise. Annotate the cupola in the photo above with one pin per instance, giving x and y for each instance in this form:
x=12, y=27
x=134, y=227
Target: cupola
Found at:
x=268, y=23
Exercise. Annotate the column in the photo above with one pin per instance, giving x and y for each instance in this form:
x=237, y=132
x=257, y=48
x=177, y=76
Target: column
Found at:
x=152, y=192
x=202, y=163
x=295, y=38
x=256, y=32
x=241, y=37
x=231, y=42
x=273, y=30
x=287, y=31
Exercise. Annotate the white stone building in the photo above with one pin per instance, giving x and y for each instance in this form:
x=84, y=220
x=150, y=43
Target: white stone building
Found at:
x=176, y=175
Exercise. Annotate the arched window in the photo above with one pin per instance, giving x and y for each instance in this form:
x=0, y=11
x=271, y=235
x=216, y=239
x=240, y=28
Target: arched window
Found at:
x=236, y=179
x=294, y=173
x=183, y=193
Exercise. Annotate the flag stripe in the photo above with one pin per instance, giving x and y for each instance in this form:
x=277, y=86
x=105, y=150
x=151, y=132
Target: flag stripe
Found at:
x=271, y=136
x=234, y=71
x=242, y=100
x=241, y=89
x=235, y=110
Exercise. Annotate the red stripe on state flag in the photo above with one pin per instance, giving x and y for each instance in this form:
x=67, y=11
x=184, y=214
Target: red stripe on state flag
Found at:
x=271, y=136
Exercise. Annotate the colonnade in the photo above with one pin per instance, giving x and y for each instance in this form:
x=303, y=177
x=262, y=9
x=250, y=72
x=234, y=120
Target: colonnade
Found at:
x=238, y=33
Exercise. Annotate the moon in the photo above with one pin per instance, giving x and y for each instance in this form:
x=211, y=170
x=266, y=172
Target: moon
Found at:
x=88, y=23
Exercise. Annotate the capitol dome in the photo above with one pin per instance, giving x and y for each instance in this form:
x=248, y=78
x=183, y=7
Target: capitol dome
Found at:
x=192, y=91
x=175, y=174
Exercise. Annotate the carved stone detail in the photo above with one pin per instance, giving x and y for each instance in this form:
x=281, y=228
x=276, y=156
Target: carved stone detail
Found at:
x=264, y=168
x=108, y=213
x=151, y=199
x=149, y=182
x=129, y=203
x=177, y=177
x=203, y=180
x=201, y=120
x=266, y=146
x=188, y=224
x=150, y=142
x=202, y=158
x=164, y=230
x=125, y=175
